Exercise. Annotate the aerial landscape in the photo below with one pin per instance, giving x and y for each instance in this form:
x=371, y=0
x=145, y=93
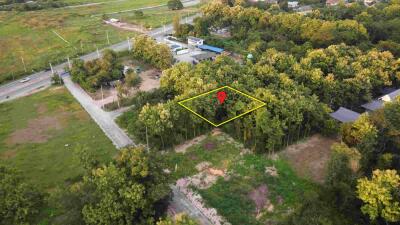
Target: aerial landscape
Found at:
x=199, y=112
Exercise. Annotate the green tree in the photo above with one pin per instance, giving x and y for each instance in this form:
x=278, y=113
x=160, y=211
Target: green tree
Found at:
x=147, y=49
x=380, y=195
x=127, y=191
x=179, y=219
x=132, y=79
x=20, y=202
x=363, y=135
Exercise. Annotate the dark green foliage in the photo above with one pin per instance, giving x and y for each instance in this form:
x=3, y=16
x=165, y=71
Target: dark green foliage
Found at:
x=92, y=74
x=20, y=202
x=130, y=190
x=138, y=13
x=148, y=50
x=56, y=79
x=175, y=4
x=315, y=211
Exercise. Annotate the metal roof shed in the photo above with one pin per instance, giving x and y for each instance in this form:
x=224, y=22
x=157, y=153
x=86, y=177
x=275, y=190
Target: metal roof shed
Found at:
x=345, y=115
x=211, y=48
x=378, y=103
x=204, y=56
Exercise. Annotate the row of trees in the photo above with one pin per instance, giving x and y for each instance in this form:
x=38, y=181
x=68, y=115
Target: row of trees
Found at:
x=337, y=76
x=291, y=111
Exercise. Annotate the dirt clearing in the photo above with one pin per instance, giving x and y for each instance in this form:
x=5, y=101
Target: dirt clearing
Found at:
x=187, y=144
x=37, y=131
x=309, y=158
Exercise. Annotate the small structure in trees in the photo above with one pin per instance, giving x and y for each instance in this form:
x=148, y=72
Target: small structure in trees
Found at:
x=204, y=56
x=211, y=48
x=378, y=103
x=194, y=41
x=293, y=4
x=345, y=115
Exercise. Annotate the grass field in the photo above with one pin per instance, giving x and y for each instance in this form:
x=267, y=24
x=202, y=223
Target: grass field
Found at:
x=39, y=135
x=157, y=17
x=233, y=195
x=31, y=36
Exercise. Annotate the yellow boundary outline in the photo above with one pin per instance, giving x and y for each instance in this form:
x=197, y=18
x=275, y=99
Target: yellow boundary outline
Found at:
x=215, y=90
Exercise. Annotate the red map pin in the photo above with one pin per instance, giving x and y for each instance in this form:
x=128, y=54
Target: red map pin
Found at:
x=221, y=95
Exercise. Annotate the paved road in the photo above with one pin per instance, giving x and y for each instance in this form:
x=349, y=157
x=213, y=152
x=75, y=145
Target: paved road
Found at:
x=42, y=79
x=104, y=119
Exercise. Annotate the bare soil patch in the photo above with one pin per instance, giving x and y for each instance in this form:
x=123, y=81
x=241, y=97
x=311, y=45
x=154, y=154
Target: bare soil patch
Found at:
x=37, y=131
x=187, y=144
x=128, y=26
x=260, y=197
x=8, y=154
x=207, y=175
x=209, y=146
x=310, y=157
x=41, y=109
x=150, y=80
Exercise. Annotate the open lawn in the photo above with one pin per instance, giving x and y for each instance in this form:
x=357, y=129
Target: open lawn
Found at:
x=37, y=37
x=39, y=136
x=249, y=189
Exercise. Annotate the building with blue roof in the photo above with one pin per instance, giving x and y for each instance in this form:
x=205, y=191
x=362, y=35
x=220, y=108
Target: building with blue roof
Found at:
x=211, y=48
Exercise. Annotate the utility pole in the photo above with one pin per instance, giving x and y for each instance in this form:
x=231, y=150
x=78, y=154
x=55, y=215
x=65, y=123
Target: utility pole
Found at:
x=108, y=39
x=147, y=140
x=51, y=67
x=98, y=53
x=129, y=44
x=23, y=62
x=69, y=63
x=102, y=95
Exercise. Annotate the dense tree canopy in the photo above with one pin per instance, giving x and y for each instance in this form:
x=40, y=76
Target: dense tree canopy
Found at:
x=175, y=4
x=127, y=191
x=19, y=201
x=381, y=195
x=147, y=49
x=91, y=74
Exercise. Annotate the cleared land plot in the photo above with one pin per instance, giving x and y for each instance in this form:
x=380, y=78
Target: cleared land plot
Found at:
x=249, y=189
x=39, y=135
x=310, y=157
